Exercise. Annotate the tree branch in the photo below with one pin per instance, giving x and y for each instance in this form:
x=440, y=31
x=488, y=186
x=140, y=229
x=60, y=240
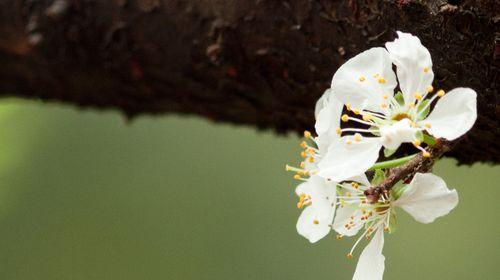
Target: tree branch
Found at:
x=262, y=63
x=405, y=172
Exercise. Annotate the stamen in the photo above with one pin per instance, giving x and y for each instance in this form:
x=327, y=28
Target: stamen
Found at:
x=426, y=69
x=417, y=96
x=381, y=81
x=362, y=78
x=430, y=89
x=440, y=93
x=416, y=143
x=307, y=134
x=345, y=118
x=357, y=137
x=316, y=222
x=338, y=130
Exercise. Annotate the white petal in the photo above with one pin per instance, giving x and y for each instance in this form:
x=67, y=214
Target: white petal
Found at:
x=414, y=65
x=371, y=263
x=322, y=102
x=366, y=94
x=427, y=198
x=327, y=121
x=362, y=179
x=312, y=226
x=343, y=217
x=454, y=114
x=344, y=160
x=394, y=135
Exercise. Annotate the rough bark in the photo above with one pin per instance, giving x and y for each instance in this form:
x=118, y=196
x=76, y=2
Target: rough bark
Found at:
x=257, y=62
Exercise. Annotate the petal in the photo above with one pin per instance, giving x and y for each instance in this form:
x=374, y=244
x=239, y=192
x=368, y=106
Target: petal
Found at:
x=427, y=198
x=343, y=217
x=344, y=160
x=354, y=82
x=311, y=226
x=414, y=65
x=454, y=114
x=371, y=263
x=327, y=120
x=322, y=102
x=361, y=179
x=393, y=136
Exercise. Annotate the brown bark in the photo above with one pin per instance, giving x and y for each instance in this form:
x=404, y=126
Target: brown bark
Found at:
x=256, y=62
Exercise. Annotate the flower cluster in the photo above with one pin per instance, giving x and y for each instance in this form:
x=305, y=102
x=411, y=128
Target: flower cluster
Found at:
x=358, y=116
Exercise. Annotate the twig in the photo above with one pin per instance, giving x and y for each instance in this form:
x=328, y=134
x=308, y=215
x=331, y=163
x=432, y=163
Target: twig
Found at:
x=419, y=164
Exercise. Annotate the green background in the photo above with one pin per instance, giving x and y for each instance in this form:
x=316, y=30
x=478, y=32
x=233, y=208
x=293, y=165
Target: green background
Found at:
x=87, y=195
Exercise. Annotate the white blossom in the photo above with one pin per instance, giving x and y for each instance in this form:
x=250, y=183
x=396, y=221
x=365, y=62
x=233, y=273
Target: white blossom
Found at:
x=366, y=85
x=426, y=198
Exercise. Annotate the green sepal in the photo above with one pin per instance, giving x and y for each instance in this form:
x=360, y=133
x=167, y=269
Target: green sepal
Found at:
x=399, y=98
x=423, y=114
x=420, y=136
x=397, y=191
x=379, y=177
x=389, y=152
x=429, y=140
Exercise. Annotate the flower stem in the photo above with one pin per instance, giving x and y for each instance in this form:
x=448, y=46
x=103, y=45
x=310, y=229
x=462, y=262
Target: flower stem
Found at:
x=392, y=163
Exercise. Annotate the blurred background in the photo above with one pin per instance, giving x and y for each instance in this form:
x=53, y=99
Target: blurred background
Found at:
x=87, y=195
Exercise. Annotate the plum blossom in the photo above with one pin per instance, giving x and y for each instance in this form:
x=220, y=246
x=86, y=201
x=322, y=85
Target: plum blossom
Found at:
x=426, y=198
x=366, y=85
x=317, y=196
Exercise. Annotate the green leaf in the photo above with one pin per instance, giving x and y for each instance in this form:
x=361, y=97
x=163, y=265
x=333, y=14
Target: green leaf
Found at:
x=399, y=98
x=379, y=177
x=389, y=152
x=423, y=113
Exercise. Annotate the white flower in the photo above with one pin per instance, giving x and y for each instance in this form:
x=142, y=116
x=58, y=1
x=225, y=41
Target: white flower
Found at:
x=366, y=84
x=317, y=195
x=319, y=198
x=425, y=198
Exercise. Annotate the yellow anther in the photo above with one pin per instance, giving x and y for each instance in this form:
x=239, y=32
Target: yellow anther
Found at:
x=310, y=151
x=386, y=229
x=302, y=164
x=358, y=137
x=345, y=118
x=311, y=159
x=385, y=96
x=348, y=106
x=303, y=144
x=355, y=185
x=426, y=69
x=367, y=117
x=307, y=134
x=413, y=124
x=417, y=96
x=348, y=194
x=349, y=256
x=430, y=89
x=316, y=222
x=411, y=105
x=426, y=154
x=338, y=237
x=383, y=105
x=362, y=78
x=356, y=111
x=296, y=177
x=338, y=130
x=375, y=75
x=427, y=125
x=416, y=143
x=303, y=154
x=440, y=93
x=348, y=142
x=381, y=81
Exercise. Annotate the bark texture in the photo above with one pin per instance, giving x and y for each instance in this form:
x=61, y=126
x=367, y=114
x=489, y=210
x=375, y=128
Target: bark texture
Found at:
x=257, y=62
